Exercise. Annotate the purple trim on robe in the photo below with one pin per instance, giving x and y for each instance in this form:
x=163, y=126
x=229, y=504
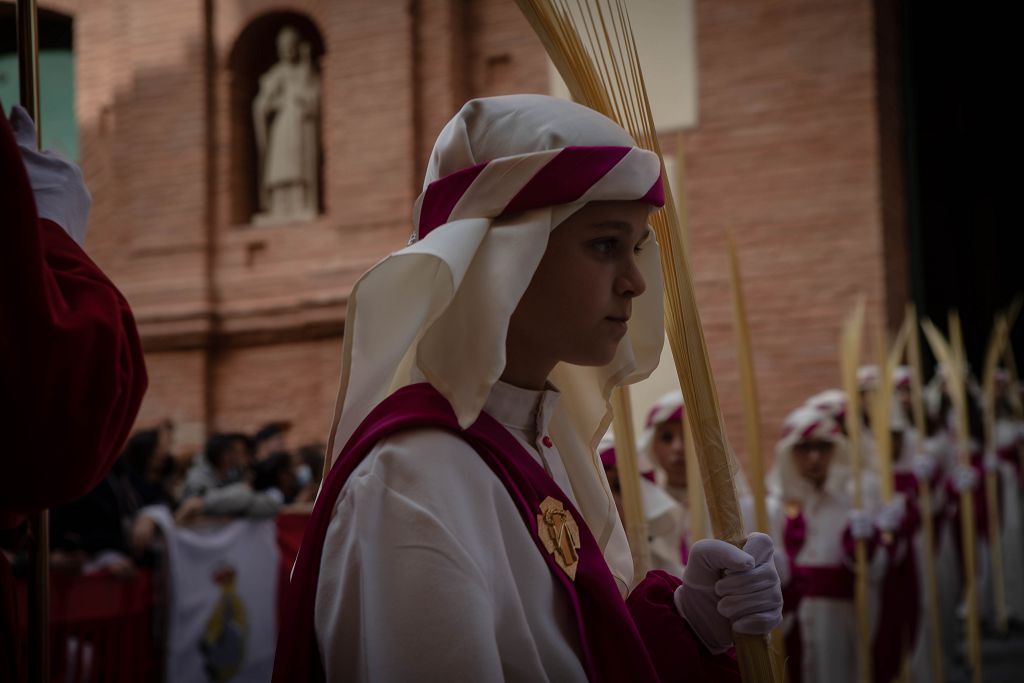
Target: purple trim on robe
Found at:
x=611, y=647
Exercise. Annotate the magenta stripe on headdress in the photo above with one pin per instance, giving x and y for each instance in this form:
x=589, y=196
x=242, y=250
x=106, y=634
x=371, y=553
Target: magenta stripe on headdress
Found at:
x=675, y=416
x=442, y=195
x=566, y=177
x=656, y=195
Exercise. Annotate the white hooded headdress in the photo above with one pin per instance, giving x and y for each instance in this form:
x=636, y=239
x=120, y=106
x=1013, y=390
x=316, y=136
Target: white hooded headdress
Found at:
x=803, y=424
x=503, y=174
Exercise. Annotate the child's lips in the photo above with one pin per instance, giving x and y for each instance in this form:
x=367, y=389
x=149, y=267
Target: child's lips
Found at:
x=620, y=325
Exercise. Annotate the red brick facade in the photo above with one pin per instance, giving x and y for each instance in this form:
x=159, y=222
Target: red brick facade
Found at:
x=242, y=324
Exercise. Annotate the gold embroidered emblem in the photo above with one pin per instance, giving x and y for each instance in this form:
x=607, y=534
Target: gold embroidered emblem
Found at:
x=559, y=534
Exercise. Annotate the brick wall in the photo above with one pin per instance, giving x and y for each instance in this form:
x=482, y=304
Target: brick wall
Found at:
x=786, y=156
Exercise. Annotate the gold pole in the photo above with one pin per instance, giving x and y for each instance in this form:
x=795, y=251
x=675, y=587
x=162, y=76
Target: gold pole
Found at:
x=752, y=426
x=696, y=505
x=849, y=359
x=924, y=497
x=27, y=19
x=591, y=86
x=629, y=483
x=995, y=546
x=952, y=357
x=748, y=383
x=696, y=517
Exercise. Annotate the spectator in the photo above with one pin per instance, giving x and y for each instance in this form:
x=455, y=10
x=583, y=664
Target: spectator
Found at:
x=271, y=439
x=309, y=471
x=216, y=486
x=276, y=473
x=91, y=532
x=149, y=466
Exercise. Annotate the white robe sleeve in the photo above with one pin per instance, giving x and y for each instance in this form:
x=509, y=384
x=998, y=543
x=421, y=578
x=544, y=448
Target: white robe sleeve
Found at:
x=429, y=573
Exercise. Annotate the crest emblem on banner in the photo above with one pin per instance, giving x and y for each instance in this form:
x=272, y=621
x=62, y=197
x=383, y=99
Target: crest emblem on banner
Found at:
x=559, y=534
x=227, y=630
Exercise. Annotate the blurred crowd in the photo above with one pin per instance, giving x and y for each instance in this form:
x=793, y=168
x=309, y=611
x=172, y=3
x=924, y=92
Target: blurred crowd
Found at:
x=818, y=512
x=235, y=475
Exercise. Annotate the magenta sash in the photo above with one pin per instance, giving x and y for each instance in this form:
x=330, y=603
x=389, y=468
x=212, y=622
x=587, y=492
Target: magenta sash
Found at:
x=612, y=647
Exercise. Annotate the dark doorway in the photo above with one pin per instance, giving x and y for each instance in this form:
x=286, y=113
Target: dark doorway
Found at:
x=962, y=112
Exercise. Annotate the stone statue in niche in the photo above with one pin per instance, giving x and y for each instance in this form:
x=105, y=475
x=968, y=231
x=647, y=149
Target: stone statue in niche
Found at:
x=286, y=119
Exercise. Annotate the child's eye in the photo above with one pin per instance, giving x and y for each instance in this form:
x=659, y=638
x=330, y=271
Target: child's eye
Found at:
x=605, y=246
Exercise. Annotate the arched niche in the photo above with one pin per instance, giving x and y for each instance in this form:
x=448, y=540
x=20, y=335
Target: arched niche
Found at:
x=260, y=89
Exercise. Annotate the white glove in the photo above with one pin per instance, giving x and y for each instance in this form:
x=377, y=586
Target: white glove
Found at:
x=891, y=515
x=747, y=599
x=862, y=526
x=58, y=186
x=924, y=467
x=965, y=478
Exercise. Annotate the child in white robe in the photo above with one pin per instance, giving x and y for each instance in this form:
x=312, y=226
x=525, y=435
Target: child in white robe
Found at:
x=531, y=268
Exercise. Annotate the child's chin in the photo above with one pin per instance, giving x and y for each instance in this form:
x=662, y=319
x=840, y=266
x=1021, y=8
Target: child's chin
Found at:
x=596, y=358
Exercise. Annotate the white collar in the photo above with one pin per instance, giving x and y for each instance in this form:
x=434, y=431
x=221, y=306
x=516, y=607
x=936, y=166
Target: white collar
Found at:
x=525, y=410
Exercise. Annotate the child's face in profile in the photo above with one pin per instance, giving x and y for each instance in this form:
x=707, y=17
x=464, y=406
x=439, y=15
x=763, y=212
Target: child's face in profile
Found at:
x=577, y=307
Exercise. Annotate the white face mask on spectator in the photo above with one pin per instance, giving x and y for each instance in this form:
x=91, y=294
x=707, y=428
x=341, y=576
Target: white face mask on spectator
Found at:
x=303, y=475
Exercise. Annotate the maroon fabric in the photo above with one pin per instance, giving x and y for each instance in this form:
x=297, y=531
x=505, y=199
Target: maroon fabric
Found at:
x=289, y=528
x=834, y=582
x=899, y=608
x=12, y=665
x=73, y=374
x=794, y=535
x=669, y=639
x=611, y=645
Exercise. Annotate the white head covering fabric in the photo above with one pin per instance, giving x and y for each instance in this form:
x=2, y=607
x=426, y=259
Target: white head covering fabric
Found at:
x=804, y=424
x=670, y=406
x=660, y=509
x=868, y=377
x=832, y=402
x=901, y=376
x=503, y=174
